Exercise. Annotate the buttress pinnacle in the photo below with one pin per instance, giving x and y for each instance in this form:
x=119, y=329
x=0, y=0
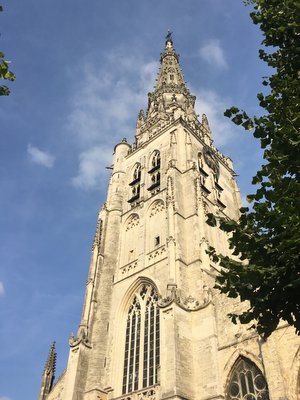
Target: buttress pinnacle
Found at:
x=51, y=360
x=48, y=374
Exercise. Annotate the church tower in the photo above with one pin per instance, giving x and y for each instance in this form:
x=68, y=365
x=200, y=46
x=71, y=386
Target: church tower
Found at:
x=152, y=326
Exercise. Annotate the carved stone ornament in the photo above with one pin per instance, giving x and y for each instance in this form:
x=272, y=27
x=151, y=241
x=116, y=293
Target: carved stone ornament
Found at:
x=157, y=208
x=74, y=342
x=170, y=199
x=171, y=240
x=205, y=207
x=204, y=240
x=98, y=235
x=134, y=221
x=144, y=394
x=186, y=303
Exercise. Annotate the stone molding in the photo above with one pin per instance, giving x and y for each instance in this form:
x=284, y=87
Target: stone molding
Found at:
x=82, y=338
x=188, y=303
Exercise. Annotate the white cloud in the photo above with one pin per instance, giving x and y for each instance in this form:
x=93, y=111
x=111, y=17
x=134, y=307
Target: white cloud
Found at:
x=91, y=170
x=40, y=157
x=4, y=398
x=103, y=107
x=210, y=103
x=2, y=291
x=213, y=53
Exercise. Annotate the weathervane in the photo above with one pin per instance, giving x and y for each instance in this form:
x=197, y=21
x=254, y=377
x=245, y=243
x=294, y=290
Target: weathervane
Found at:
x=169, y=35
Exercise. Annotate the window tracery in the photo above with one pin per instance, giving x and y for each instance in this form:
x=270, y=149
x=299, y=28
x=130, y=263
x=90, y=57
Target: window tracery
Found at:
x=247, y=382
x=142, y=346
x=156, y=208
x=133, y=221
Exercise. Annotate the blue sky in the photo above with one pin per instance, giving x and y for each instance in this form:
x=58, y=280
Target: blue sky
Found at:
x=83, y=72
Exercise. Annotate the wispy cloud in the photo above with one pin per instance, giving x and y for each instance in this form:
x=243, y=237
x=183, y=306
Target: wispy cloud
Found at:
x=40, y=157
x=4, y=398
x=213, y=105
x=91, y=170
x=102, y=109
x=213, y=53
x=103, y=105
x=1, y=294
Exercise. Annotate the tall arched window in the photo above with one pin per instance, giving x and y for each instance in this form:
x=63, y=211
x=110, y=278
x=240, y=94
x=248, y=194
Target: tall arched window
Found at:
x=154, y=172
x=141, y=359
x=247, y=382
x=135, y=184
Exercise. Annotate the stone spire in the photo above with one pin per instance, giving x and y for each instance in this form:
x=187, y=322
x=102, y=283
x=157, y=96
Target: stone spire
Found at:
x=170, y=78
x=170, y=98
x=170, y=90
x=49, y=373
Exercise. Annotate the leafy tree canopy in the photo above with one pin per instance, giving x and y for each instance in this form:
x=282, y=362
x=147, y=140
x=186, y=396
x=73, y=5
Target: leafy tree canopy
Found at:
x=5, y=73
x=266, y=239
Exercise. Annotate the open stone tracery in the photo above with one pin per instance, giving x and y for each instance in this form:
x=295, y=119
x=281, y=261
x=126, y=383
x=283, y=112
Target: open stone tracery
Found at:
x=247, y=383
x=141, y=357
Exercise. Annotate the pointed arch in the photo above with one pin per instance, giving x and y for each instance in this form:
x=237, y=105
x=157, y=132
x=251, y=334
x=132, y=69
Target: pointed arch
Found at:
x=156, y=226
x=154, y=159
x=136, y=172
x=142, y=337
x=131, y=221
x=156, y=206
x=240, y=353
x=129, y=245
x=133, y=288
x=246, y=381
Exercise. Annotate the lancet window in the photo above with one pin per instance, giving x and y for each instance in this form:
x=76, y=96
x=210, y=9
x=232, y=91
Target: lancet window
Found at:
x=142, y=346
x=154, y=172
x=135, y=184
x=247, y=382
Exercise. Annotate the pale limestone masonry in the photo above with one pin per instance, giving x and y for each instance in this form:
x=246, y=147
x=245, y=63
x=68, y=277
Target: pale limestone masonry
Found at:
x=150, y=277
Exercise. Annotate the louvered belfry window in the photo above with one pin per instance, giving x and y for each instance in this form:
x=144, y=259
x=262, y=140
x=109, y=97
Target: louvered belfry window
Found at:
x=154, y=172
x=141, y=359
x=247, y=382
x=135, y=184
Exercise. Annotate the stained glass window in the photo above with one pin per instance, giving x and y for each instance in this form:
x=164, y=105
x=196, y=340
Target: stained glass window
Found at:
x=247, y=382
x=141, y=358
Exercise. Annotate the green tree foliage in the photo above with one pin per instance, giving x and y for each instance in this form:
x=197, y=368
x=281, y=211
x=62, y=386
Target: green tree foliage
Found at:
x=5, y=73
x=266, y=239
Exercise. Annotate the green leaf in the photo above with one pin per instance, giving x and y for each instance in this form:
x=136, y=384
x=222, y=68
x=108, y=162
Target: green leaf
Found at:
x=211, y=220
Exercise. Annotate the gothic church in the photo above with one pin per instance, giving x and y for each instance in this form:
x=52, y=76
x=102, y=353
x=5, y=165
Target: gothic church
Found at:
x=152, y=326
